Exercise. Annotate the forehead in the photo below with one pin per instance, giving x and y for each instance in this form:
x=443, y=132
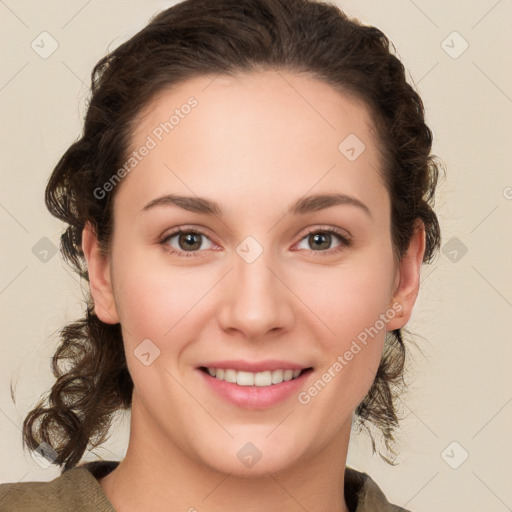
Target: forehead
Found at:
x=267, y=132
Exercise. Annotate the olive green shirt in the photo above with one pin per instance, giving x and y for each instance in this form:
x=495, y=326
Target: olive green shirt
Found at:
x=78, y=490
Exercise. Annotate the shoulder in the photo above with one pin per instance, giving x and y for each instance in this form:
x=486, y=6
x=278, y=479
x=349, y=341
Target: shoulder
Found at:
x=362, y=494
x=76, y=489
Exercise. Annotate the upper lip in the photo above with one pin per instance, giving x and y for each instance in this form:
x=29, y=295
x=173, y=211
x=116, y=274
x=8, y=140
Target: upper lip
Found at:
x=255, y=366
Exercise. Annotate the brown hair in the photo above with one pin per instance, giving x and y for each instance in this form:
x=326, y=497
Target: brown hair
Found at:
x=198, y=37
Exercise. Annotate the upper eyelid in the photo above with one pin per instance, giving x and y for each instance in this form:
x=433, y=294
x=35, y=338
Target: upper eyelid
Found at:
x=186, y=229
x=330, y=229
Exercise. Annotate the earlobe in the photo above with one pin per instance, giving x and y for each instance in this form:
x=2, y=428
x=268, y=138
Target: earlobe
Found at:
x=98, y=266
x=408, y=279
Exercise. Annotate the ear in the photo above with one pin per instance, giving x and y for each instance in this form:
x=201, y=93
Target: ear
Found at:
x=98, y=266
x=407, y=282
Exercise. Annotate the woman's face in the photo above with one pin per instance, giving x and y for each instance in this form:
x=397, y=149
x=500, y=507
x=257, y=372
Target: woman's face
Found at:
x=267, y=280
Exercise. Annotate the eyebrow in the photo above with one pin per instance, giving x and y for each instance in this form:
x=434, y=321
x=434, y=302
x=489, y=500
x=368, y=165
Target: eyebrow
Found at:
x=300, y=207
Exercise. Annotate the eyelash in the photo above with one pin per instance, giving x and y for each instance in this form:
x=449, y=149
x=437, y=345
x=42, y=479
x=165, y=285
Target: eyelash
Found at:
x=345, y=241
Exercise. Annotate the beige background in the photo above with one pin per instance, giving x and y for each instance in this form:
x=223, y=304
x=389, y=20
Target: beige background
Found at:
x=461, y=383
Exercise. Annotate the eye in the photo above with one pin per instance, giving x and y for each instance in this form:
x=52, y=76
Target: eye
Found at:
x=321, y=239
x=188, y=242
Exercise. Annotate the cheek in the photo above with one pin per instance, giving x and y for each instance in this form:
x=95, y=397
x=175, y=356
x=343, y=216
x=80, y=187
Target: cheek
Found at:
x=352, y=303
x=350, y=298
x=157, y=304
x=152, y=299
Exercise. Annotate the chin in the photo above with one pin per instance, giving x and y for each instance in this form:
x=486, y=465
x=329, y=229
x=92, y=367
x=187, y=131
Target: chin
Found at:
x=250, y=459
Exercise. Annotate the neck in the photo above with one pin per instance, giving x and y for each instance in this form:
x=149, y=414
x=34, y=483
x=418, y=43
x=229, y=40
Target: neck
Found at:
x=157, y=471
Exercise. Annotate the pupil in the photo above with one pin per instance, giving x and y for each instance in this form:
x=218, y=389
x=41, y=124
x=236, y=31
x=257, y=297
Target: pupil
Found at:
x=189, y=239
x=318, y=238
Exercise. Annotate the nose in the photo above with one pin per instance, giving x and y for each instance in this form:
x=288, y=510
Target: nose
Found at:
x=256, y=300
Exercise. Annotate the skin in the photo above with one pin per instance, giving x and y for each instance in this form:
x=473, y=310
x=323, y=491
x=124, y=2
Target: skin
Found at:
x=254, y=145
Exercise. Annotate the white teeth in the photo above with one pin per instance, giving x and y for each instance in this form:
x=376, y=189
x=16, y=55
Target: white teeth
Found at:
x=245, y=379
x=261, y=379
x=230, y=375
x=277, y=376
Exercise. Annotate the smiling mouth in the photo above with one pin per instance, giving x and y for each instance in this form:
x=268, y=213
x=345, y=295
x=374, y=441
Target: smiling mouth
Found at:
x=256, y=379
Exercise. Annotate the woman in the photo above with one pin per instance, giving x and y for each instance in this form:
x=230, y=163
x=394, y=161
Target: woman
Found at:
x=251, y=203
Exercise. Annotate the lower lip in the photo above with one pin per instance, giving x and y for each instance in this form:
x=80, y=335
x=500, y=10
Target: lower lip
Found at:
x=255, y=397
